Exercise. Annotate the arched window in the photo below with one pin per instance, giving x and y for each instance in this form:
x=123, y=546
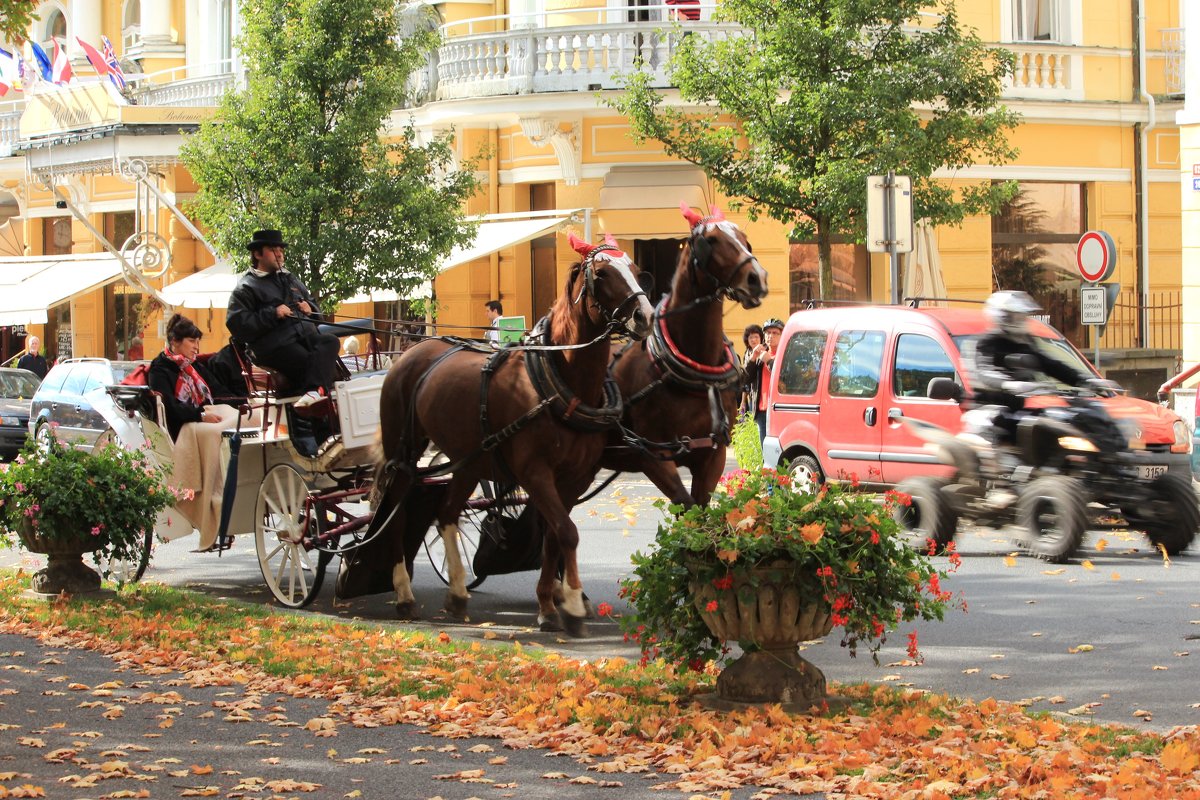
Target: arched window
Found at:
x=131, y=23
x=225, y=33
x=56, y=25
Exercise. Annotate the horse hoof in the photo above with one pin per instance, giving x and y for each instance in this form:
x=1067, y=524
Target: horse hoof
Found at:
x=407, y=610
x=573, y=625
x=549, y=624
x=455, y=606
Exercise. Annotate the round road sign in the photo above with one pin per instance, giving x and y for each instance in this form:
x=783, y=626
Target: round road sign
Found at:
x=1096, y=256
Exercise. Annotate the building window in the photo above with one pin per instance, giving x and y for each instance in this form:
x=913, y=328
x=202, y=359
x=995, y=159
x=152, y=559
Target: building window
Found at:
x=56, y=26
x=225, y=33
x=131, y=24
x=1033, y=249
x=804, y=273
x=1036, y=21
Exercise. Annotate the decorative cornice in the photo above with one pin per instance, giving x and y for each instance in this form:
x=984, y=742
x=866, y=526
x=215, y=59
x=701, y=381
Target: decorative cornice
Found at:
x=568, y=149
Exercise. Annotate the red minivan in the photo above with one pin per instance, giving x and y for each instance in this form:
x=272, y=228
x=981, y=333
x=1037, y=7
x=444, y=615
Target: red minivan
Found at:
x=846, y=375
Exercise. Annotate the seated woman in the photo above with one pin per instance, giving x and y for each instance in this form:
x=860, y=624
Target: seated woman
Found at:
x=195, y=419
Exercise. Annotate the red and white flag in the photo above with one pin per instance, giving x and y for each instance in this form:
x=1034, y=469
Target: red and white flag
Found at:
x=60, y=70
x=94, y=57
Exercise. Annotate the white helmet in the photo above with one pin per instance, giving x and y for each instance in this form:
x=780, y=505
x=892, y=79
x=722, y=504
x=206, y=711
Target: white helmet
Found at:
x=1009, y=311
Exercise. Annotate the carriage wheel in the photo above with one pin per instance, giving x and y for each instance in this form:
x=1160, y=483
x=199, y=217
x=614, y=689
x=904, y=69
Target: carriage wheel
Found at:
x=474, y=524
x=119, y=569
x=281, y=527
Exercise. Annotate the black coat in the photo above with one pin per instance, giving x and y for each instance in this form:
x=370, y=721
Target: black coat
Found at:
x=989, y=368
x=251, y=316
x=164, y=374
x=35, y=363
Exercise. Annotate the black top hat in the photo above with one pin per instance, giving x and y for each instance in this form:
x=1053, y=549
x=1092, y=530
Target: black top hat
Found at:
x=266, y=238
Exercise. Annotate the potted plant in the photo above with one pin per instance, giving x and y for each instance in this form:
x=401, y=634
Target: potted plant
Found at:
x=63, y=501
x=769, y=563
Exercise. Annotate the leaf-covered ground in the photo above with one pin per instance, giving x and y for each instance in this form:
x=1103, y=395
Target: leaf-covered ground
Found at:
x=616, y=716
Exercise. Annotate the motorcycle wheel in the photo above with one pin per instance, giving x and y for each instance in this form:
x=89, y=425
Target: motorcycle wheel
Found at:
x=929, y=517
x=1053, y=512
x=1173, y=513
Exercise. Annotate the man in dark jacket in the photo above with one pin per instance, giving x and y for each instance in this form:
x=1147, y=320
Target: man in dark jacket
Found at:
x=273, y=314
x=33, y=360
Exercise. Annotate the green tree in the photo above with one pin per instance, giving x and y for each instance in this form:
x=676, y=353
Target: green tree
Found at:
x=302, y=149
x=824, y=93
x=15, y=17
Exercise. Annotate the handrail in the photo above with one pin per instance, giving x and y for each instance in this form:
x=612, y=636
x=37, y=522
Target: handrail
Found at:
x=1165, y=390
x=603, y=14
x=143, y=78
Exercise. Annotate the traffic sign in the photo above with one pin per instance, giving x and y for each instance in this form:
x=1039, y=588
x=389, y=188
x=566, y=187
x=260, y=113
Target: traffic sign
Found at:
x=1093, y=305
x=899, y=192
x=1096, y=256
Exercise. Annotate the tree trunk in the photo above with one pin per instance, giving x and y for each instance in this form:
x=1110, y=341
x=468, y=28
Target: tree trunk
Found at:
x=825, y=258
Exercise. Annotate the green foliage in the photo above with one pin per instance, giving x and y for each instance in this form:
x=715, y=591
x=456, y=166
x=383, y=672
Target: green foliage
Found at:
x=301, y=149
x=841, y=547
x=15, y=18
x=63, y=491
x=825, y=93
x=747, y=447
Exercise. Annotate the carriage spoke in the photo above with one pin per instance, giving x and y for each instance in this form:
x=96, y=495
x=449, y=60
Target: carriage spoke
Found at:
x=280, y=525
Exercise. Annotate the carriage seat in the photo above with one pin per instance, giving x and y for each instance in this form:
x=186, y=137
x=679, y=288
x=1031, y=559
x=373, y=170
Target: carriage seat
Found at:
x=260, y=380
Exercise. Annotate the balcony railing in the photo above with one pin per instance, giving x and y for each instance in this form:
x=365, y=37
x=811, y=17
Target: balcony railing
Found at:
x=10, y=126
x=1172, y=44
x=1045, y=71
x=192, y=85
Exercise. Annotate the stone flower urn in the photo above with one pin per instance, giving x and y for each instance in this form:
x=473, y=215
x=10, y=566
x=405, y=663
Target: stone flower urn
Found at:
x=775, y=613
x=65, y=570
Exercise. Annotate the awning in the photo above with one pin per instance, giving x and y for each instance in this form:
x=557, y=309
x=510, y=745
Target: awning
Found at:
x=210, y=288
x=30, y=286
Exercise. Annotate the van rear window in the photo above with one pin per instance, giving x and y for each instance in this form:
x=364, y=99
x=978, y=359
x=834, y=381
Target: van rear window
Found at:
x=800, y=364
x=857, y=361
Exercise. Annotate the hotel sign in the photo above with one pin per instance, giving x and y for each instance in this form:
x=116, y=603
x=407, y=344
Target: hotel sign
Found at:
x=95, y=105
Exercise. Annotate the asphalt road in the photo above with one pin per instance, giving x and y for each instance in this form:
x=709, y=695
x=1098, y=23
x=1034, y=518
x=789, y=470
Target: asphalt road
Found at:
x=1113, y=636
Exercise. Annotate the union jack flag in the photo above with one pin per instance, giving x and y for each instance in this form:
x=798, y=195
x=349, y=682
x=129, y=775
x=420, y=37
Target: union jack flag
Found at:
x=115, y=73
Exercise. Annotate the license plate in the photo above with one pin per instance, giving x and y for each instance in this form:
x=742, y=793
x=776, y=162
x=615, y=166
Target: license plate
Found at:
x=1148, y=472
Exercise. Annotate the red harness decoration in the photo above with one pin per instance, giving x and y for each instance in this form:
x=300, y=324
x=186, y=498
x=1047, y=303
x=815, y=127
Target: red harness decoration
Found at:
x=719, y=369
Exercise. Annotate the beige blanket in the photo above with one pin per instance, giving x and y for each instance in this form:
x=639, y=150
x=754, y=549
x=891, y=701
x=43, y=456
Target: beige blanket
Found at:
x=198, y=468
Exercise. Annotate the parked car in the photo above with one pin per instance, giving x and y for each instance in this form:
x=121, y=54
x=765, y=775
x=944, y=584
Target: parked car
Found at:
x=66, y=404
x=16, y=390
x=846, y=376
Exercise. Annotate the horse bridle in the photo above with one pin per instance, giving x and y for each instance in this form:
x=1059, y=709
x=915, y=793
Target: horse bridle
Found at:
x=614, y=319
x=701, y=257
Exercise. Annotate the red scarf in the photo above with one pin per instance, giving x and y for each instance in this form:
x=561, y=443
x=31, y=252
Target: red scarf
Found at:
x=190, y=388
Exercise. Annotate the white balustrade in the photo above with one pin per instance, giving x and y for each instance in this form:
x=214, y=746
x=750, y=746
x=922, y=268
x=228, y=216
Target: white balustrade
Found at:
x=10, y=127
x=193, y=92
x=1048, y=71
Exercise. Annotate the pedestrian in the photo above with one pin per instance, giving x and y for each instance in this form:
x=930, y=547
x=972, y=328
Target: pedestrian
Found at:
x=136, y=351
x=752, y=337
x=494, y=310
x=273, y=314
x=760, y=365
x=196, y=420
x=33, y=360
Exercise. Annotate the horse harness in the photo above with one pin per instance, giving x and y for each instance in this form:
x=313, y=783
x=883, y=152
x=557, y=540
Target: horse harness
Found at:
x=676, y=369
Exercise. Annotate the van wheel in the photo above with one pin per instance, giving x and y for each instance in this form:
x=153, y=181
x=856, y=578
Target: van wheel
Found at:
x=805, y=469
x=929, y=517
x=1172, y=515
x=1052, y=511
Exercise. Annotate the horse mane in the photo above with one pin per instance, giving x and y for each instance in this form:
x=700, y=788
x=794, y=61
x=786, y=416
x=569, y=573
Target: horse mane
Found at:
x=564, y=321
x=682, y=266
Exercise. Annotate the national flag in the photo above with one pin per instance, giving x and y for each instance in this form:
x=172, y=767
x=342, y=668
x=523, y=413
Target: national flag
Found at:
x=45, y=66
x=10, y=72
x=61, y=72
x=94, y=57
x=115, y=73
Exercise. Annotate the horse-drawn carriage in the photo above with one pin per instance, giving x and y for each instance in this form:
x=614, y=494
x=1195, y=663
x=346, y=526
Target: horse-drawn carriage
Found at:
x=541, y=416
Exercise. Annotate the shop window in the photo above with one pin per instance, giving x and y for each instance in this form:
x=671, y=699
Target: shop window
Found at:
x=56, y=236
x=804, y=273
x=1034, y=238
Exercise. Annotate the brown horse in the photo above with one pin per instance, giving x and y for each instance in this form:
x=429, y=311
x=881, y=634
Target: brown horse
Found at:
x=534, y=416
x=681, y=384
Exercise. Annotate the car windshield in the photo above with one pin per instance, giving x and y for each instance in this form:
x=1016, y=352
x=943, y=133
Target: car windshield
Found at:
x=17, y=385
x=1058, y=349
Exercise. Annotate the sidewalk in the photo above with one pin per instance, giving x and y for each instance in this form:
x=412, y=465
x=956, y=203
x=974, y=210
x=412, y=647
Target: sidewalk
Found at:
x=79, y=725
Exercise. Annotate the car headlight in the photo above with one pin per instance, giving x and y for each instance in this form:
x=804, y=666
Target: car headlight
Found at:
x=1077, y=443
x=1183, y=437
x=11, y=422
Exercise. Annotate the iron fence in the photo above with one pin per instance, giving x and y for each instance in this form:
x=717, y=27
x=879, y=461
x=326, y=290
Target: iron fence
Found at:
x=1163, y=308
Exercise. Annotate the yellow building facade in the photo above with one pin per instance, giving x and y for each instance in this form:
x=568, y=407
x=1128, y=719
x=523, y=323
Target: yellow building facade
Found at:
x=1099, y=87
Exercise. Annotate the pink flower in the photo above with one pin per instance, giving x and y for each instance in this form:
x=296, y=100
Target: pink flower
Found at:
x=96, y=530
x=712, y=606
x=604, y=610
x=20, y=486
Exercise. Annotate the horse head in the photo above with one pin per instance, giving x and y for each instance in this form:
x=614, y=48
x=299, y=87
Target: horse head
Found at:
x=721, y=251
x=608, y=278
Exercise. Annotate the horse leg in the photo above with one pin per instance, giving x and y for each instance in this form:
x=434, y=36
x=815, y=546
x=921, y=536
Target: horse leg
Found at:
x=560, y=546
x=665, y=475
x=706, y=474
x=456, y=499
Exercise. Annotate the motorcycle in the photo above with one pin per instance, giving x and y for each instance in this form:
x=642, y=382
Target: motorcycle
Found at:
x=1070, y=468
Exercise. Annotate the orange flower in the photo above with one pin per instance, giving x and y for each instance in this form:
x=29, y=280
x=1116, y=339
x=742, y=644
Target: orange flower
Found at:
x=813, y=532
x=728, y=556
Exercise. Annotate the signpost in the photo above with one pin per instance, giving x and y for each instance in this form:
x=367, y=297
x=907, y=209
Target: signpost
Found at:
x=1096, y=259
x=889, y=221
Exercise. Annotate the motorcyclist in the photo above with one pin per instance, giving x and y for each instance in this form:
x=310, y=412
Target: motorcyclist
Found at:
x=1006, y=362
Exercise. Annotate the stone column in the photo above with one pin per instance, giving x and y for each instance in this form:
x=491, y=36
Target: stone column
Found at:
x=85, y=23
x=156, y=23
